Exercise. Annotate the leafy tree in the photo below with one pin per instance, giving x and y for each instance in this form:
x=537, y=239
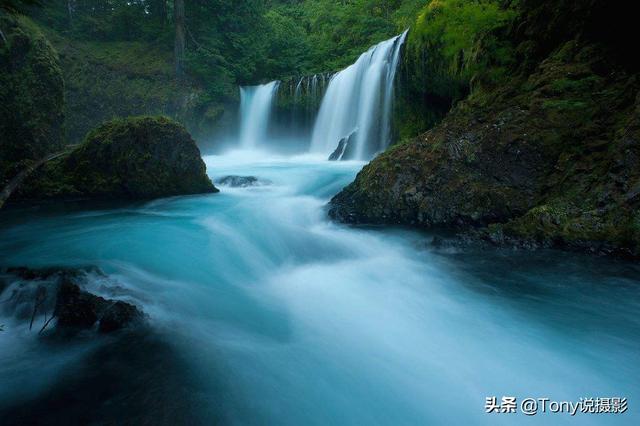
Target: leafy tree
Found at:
x=18, y=5
x=456, y=25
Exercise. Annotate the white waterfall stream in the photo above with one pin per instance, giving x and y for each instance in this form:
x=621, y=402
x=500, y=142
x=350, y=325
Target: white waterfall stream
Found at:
x=358, y=102
x=256, y=104
x=360, y=98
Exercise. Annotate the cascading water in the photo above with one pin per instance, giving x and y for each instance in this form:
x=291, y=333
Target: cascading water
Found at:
x=354, y=114
x=261, y=311
x=256, y=104
x=359, y=98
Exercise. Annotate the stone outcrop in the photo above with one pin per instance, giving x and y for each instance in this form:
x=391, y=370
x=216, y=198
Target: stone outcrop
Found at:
x=135, y=158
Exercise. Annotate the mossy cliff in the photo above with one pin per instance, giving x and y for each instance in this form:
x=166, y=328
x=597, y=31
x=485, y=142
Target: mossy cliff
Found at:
x=548, y=157
x=134, y=158
x=31, y=95
x=107, y=80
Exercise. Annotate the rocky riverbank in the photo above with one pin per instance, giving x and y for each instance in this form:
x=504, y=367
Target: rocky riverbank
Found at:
x=549, y=158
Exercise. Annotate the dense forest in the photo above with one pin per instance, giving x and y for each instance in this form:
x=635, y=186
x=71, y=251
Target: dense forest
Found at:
x=186, y=59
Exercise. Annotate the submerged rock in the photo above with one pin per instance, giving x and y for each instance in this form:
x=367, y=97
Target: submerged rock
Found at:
x=76, y=308
x=134, y=158
x=31, y=293
x=118, y=315
x=241, y=181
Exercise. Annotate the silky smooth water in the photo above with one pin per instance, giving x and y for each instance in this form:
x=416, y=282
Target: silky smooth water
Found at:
x=359, y=99
x=268, y=313
x=256, y=105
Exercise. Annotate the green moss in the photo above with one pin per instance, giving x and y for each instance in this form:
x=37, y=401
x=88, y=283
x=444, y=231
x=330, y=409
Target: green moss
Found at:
x=138, y=157
x=583, y=85
x=565, y=104
x=31, y=94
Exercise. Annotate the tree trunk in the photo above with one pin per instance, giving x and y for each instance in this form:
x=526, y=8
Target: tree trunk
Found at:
x=163, y=13
x=179, y=41
x=70, y=12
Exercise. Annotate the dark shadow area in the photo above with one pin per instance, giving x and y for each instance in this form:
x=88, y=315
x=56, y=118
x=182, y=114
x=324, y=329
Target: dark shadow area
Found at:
x=137, y=379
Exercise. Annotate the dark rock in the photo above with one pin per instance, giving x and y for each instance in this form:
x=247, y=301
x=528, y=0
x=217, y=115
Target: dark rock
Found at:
x=60, y=291
x=117, y=316
x=345, y=149
x=76, y=308
x=134, y=158
x=437, y=242
x=337, y=153
x=240, y=181
x=350, y=147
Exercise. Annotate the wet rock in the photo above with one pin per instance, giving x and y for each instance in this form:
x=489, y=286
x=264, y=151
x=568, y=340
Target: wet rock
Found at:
x=345, y=149
x=76, y=308
x=437, y=242
x=117, y=316
x=29, y=293
x=241, y=181
x=337, y=153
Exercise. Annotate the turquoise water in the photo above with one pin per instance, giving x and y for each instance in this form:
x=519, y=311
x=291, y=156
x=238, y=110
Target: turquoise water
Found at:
x=275, y=315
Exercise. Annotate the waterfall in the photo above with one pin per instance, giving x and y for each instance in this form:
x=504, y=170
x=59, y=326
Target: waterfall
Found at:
x=355, y=106
x=296, y=96
x=256, y=103
x=359, y=98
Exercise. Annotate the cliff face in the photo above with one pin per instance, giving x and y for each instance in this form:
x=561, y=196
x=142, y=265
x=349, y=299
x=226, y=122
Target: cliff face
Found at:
x=135, y=158
x=105, y=80
x=31, y=96
x=549, y=157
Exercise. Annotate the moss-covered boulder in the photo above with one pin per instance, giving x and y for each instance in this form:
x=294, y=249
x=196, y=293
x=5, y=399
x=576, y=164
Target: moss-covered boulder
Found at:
x=549, y=158
x=134, y=158
x=31, y=95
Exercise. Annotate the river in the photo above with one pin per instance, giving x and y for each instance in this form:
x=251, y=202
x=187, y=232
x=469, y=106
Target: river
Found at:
x=266, y=312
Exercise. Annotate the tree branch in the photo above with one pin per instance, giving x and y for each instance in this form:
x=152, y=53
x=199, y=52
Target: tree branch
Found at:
x=46, y=324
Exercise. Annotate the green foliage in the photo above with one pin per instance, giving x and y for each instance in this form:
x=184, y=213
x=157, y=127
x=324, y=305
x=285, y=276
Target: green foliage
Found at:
x=251, y=41
x=455, y=26
x=339, y=32
x=106, y=79
x=454, y=39
x=18, y=5
x=246, y=41
x=31, y=95
x=452, y=43
x=107, y=20
x=564, y=104
x=287, y=47
x=572, y=85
